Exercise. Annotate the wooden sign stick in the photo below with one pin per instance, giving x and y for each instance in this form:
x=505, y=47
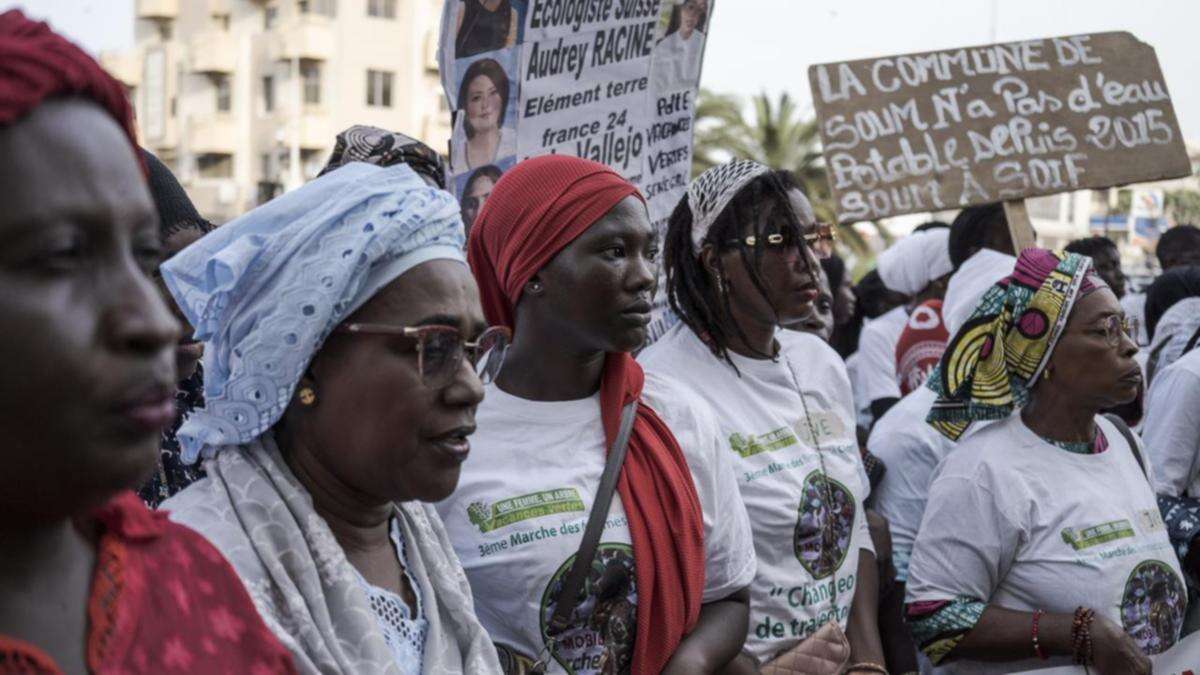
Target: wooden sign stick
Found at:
x=1019, y=226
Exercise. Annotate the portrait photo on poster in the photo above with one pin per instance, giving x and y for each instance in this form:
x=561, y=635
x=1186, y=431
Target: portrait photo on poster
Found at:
x=679, y=54
x=486, y=111
x=482, y=26
x=474, y=187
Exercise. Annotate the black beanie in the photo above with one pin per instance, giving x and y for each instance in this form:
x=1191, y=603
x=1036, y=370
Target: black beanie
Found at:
x=175, y=209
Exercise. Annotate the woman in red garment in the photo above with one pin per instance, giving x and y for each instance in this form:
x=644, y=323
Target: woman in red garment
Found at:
x=90, y=580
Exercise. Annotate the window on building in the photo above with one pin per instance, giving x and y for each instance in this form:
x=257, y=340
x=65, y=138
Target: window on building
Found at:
x=165, y=30
x=310, y=72
x=382, y=8
x=270, y=16
x=268, y=93
x=224, y=92
x=323, y=7
x=379, y=88
x=214, y=165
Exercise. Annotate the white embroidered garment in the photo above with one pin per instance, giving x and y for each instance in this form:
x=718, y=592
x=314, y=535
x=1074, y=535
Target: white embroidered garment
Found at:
x=403, y=628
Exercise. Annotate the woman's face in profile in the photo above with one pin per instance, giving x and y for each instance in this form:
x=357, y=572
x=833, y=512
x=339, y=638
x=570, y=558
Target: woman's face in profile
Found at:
x=483, y=104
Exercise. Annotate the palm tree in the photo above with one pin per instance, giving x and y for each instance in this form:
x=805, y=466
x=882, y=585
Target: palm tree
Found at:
x=776, y=134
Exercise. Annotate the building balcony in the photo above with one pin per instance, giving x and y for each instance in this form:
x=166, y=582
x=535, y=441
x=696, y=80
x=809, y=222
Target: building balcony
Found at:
x=126, y=67
x=316, y=131
x=212, y=135
x=157, y=9
x=219, y=7
x=307, y=37
x=212, y=52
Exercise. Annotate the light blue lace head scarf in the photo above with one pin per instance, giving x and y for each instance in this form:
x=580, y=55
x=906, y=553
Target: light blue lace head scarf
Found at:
x=265, y=290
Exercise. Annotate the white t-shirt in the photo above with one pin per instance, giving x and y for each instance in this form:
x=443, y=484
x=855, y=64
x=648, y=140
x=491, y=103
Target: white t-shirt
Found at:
x=676, y=62
x=1020, y=523
x=1134, y=306
x=911, y=450
x=523, y=500
x=802, y=581
x=877, y=358
x=1172, y=427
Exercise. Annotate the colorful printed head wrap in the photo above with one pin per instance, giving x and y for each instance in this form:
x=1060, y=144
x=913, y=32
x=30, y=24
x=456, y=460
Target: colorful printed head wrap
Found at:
x=994, y=360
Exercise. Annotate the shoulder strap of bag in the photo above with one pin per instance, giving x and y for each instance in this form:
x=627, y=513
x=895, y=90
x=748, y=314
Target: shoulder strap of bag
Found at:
x=568, y=598
x=1133, y=446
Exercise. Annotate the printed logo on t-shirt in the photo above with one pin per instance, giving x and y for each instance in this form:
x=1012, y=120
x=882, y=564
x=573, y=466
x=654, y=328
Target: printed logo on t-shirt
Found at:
x=1153, y=605
x=825, y=423
x=749, y=445
x=534, y=505
x=1087, y=537
x=1150, y=520
x=825, y=525
x=604, y=623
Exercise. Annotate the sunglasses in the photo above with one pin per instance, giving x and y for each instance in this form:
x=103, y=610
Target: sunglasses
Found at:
x=441, y=349
x=819, y=240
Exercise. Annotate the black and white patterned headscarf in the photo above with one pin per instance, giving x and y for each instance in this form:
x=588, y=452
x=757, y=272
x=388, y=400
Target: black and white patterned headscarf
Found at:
x=712, y=191
x=362, y=143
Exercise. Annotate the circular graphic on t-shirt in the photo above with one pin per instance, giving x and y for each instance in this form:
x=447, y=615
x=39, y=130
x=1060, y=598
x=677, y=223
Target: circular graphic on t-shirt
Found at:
x=604, y=623
x=823, y=530
x=1153, y=606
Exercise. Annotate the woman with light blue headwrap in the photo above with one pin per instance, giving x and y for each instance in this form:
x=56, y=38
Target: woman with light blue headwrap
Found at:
x=336, y=322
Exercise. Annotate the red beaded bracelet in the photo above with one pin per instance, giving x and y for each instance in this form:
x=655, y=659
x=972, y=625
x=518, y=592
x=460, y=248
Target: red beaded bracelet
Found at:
x=1037, y=647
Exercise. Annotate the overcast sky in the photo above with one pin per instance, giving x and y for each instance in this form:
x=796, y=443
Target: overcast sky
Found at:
x=768, y=45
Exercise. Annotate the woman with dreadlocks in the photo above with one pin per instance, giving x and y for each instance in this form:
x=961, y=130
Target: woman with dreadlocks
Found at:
x=739, y=265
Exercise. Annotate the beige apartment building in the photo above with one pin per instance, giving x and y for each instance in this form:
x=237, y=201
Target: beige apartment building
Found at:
x=243, y=98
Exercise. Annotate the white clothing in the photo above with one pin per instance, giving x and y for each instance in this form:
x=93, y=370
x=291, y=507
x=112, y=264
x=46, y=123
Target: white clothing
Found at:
x=876, y=365
x=911, y=450
x=1172, y=427
x=523, y=499
x=403, y=630
x=966, y=288
x=805, y=578
x=912, y=263
x=1017, y=522
x=1134, y=305
x=676, y=62
x=458, y=149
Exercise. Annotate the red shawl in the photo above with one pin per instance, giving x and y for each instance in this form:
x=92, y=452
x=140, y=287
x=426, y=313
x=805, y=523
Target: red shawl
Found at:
x=535, y=210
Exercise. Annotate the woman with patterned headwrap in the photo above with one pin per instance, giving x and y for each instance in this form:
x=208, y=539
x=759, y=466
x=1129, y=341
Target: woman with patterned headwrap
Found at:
x=340, y=324
x=1042, y=543
x=90, y=579
x=565, y=254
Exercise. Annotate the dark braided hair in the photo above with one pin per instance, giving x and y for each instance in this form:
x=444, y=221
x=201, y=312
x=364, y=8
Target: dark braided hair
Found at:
x=760, y=208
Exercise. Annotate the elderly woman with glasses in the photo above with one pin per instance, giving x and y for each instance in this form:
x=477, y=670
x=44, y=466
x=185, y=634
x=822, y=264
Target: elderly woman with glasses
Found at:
x=345, y=348
x=1041, y=543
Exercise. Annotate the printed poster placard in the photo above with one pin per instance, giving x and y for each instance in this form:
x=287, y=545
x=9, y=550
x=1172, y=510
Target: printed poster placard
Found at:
x=613, y=81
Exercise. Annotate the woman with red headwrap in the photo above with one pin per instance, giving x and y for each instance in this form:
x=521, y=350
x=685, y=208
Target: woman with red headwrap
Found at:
x=564, y=253
x=90, y=580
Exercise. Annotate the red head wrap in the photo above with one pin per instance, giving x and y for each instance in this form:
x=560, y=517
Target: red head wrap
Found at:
x=36, y=63
x=535, y=210
x=921, y=345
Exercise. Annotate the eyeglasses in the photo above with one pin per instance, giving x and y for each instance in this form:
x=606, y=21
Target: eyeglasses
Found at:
x=441, y=349
x=819, y=240
x=1114, y=328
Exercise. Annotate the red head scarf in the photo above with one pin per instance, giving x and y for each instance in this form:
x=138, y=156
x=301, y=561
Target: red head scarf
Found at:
x=36, y=63
x=535, y=210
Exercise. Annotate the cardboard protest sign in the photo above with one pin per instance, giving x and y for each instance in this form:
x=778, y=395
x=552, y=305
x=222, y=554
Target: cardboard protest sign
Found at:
x=959, y=127
x=609, y=80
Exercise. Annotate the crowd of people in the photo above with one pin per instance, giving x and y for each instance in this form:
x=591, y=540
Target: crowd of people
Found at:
x=338, y=435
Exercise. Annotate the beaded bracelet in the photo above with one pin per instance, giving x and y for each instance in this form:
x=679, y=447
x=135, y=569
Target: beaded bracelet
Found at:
x=1037, y=647
x=1081, y=636
x=868, y=666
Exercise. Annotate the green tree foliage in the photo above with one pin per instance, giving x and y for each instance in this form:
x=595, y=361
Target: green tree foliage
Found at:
x=1183, y=206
